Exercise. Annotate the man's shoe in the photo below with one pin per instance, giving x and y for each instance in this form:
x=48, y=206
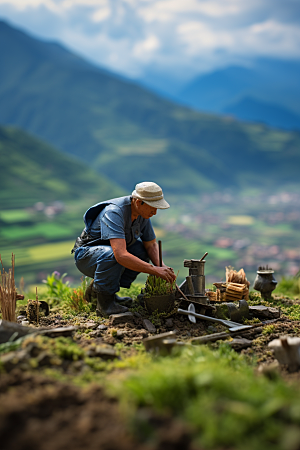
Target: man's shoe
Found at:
x=141, y=299
x=125, y=301
x=106, y=305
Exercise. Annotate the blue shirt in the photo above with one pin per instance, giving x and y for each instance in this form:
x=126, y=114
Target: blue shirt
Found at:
x=112, y=220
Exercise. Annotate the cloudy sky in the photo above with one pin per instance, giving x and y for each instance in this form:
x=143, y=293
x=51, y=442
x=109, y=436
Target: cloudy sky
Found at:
x=178, y=37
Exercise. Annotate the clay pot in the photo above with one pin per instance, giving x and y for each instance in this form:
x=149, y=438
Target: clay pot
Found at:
x=160, y=303
x=265, y=283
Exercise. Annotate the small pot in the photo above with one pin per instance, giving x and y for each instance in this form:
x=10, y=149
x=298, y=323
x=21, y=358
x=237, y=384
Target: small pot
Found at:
x=265, y=283
x=160, y=303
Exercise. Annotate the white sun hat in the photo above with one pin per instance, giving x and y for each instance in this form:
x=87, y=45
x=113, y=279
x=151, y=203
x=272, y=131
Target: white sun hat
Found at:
x=150, y=193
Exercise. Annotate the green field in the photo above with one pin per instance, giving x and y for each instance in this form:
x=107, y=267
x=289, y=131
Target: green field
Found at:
x=187, y=230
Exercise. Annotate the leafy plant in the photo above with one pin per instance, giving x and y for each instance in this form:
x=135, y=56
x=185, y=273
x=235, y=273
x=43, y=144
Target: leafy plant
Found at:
x=157, y=286
x=57, y=288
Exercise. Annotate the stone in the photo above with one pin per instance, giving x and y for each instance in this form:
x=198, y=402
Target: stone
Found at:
x=126, y=317
x=102, y=327
x=121, y=334
x=169, y=323
x=239, y=343
x=149, y=326
x=57, y=332
x=264, y=312
x=104, y=352
x=11, y=330
x=90, y=325
x=95, y=333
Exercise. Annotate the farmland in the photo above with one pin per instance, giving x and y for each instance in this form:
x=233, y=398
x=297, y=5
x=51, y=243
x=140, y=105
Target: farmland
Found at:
x=247, y=230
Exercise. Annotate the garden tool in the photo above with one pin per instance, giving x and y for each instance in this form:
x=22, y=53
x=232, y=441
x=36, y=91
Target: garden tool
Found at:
x=191, y=317
x=233, y=326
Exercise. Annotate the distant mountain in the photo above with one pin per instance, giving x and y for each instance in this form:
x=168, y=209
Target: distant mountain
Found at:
x=273, y=82
x=32, y=171
x=126, y=132
x=253, y=110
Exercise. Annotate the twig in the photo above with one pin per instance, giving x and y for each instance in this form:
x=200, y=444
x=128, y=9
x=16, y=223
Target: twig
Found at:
x=8, y=292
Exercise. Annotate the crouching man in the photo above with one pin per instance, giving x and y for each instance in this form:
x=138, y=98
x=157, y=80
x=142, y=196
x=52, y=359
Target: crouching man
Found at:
x=118, y=243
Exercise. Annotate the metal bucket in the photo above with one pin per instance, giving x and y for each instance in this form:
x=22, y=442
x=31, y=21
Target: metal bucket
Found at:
x=160, y=303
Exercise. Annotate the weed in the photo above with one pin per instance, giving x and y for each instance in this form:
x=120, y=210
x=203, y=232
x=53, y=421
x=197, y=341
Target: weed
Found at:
x=76, y=301
x=269, y=329
x=57, y=288
x=113, y=332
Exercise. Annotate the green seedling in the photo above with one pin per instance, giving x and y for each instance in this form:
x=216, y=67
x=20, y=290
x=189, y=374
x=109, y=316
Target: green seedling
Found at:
x=157, y=286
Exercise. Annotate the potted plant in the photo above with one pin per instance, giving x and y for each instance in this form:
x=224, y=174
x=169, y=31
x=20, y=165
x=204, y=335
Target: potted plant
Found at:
x=159, y=295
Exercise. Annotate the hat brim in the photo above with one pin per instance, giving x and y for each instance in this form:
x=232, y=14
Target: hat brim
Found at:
x=159, y=204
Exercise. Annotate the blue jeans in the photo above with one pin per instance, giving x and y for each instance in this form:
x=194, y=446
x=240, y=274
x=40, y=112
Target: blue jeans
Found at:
x=100, y=263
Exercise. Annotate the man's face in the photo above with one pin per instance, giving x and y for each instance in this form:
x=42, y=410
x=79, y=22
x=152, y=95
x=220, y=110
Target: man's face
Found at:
x=146, y=211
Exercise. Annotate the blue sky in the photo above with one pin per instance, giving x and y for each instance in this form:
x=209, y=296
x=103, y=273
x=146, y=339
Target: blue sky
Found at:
x=181, y=38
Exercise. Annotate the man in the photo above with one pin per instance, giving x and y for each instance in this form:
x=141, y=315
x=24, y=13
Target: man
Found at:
x=118, y=242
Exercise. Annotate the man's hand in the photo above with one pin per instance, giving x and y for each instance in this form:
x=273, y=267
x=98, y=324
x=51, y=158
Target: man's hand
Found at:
x=167, y=273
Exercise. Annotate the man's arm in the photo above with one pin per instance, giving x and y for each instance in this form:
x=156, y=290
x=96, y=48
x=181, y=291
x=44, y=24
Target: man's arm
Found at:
x=153, y=251
x=126, y=259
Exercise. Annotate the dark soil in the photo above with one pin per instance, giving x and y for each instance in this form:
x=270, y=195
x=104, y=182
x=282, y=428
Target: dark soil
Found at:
x=40, y=413
x=37, y=413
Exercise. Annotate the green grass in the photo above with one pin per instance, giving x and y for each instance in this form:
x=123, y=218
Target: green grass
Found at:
x=219, y=396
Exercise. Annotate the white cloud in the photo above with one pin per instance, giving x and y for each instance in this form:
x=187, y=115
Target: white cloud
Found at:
x=101, y=14
x=145, y=48
x=172, y=35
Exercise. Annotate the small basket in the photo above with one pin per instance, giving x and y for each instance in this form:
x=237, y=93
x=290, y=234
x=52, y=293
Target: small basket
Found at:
x=160, y=303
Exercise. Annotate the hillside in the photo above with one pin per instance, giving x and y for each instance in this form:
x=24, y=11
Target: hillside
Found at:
x=128, y=133
x=43, y=195
x=32, y=171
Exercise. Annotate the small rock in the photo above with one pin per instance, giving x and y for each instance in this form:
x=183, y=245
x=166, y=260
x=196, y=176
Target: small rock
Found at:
x=138, y=315
x=102, y=352
x=169, y=323
x=92, y=325
x=211, y=329
x=25, y=323
x=239, y=344
x=121, y=334
x=126, y=317
x=264, y=312
x=149, y=326
x=95, y=333
x=102, y=327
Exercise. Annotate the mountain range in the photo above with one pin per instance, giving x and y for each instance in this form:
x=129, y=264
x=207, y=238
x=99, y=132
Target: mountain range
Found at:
x=268, y=92
x=128, y=134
